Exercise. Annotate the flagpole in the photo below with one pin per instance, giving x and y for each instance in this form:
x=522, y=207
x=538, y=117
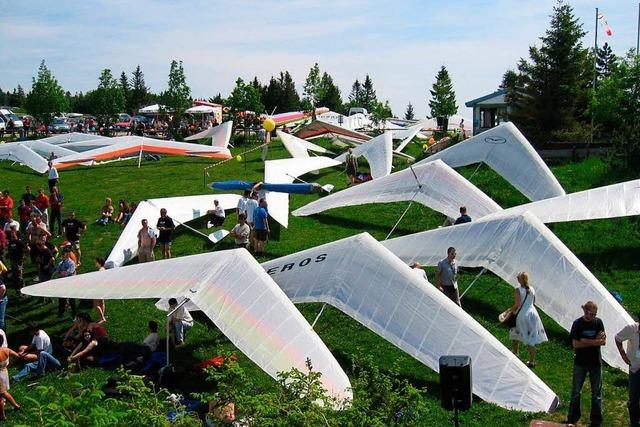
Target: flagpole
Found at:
x=595, y=71
x=638, y=34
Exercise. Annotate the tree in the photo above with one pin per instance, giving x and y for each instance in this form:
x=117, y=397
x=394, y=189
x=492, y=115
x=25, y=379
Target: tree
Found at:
x=380, y=111
x=408, y=114
x=290, y=98
x=218, y=99
x=311, y=87
x=17, y=97
x=443, y=98
x=355, y=97
x=271, y=95
x=177, y=97
x=126, y=90
x=369, y=99
x=46, y=98
x=554, y=82
x=139, y=94
x=329, y=94
x=244, y=97
x=107, y=100
x=605, y=61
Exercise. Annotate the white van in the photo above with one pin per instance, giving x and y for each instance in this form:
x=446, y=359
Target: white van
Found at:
x=356, y=110
x=9, y=115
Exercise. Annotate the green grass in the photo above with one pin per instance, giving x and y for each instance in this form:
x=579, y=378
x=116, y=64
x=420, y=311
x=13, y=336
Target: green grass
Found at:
x=608, y=247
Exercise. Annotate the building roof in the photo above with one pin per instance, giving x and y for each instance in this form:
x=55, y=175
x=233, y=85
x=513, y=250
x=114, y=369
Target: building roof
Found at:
x=496, y=97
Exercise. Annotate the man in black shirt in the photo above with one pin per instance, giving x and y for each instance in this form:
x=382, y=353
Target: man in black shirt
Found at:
x=165, y=226
x=587, y=335
x=463, y=218
x=28, y=196
x=16, y=250
x=44, y=261
x=72, y=227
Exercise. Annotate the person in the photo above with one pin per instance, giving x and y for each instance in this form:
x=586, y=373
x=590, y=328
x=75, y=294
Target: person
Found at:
x=45, y=361
x=98, y=304
x=152, y=340
x=631, y=356
x=66, y=268
x=146, y=243
x=55, y=200
x=252, y=205
x=53, y=176
x=85, y=351
x=74, y=334
x=447, y=276
x=16, y=251
x=216, y=215
x=28, y=195
x=261, y=227
x=6, y=207
x=40, y=342
x=165, y=226
x=463, y=218
x=124, y=213
x=24, y=214
x=44, y=259
x=179, y=322
x=106, y=214
x=4, y=301
x=587, y=336
x=529, y=328
x=241, y=208
x=36, y=232
x=3, y=244
x=241, y=232
x=72, y=227
x=417, y=268
x=351, y=163
x=5, y=354
x=42, y=203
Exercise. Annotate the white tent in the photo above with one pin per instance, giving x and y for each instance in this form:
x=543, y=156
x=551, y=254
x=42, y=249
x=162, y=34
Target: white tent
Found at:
x=225, y=285
x=22, y=154
x=70, y=137
x=220, y=135
x=200, y=109
x=299, y=147
x=410, y=313
x=154, y=109
x=182, y=209
x=378, y=152
x=507, y=245
x=434, y=185
x=284, y=171
x=508, y=152
x=611, y=201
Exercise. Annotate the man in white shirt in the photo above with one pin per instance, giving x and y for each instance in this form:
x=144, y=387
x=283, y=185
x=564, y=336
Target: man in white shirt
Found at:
x=53, y=176
x=631, y=334
x=242, y=203
x=216, y=215
x=241, y=233
x=40, y=342
x=179, y=322
x=252, y=206
x=153, y=339
x=417, y=268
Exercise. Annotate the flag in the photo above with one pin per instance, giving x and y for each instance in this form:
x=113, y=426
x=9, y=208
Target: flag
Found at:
x=607, y=29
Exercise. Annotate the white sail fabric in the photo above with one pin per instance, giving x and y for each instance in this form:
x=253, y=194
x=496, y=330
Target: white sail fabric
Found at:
x=361, y=278
x=378, y=152
x=320, y=127
x=225, y=285
x=406, y=136
x=507, y=245
x=220, y=135
x=131, y=145
x=508, y=152
x=611, y=201
x=45, y=149
x=299, y=147
x=434, y=185
x=284, y=171
x=24, y=155
x=90, y=144
x=70, y=137
x=182, y=209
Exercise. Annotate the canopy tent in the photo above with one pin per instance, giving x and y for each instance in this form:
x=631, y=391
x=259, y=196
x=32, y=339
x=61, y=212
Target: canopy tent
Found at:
x=182, y=209
x=611, y=201
x=220, y=135
x=508, y=152
x=225, y=285
x=320, y=127
x=299, y=188
x=200, y=109
x=126, y=146
x=378, y=152
x=408, y=312
x=24, y=155
x=434, y=185
x=299, y=147
x=70, y=137
x=286, y=171
x=507, y=245
x=154, y=109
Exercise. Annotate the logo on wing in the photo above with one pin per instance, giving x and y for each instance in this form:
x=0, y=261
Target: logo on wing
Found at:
x=296, y=264
x=495, y=140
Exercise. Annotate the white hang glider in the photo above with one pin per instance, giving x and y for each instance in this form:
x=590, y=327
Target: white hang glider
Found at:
x=507, y=245
x=225, y=285
x=378, y=152
x=508, y=152
x=434, y=185
x=361, y=278
x=406, y=136
x=320, y=127
x=220, y=135
x=24, y=155
x=45, y=149
x=297, y=147
x=181, y=209
x=65, y=138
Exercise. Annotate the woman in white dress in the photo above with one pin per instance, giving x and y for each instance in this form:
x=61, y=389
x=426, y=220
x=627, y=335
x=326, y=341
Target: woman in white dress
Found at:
x=529, y=329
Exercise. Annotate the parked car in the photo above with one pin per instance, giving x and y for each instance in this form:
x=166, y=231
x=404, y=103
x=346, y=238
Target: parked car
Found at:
x=147, y=121
x=59, y=125
x=2, y=125
x=8, y=115
x=122, y=125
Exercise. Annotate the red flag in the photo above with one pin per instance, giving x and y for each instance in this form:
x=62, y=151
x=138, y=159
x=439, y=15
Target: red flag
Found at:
x=607, y=29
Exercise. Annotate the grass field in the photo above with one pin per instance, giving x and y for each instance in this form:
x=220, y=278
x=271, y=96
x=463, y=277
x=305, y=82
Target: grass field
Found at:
x=609, y=248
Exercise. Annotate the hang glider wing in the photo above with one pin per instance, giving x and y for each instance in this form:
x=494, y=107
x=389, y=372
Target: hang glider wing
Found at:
x=508, y=152
x=220, y=135
x=64, y=138
x=364, y=280
x=225, y=285
x=299, y=147
x=22, y=154
x=319, y=127
x=45, y=149
x=378, y=152
x=285, y=171
x=434, y=185
x=294, y=116
x=507, y=245
x=182, y=209
x=406, y=136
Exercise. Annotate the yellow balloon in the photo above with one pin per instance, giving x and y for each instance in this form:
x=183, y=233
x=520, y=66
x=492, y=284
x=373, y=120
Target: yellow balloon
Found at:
x=239, y=158
x=424, y=147
x=269, y=125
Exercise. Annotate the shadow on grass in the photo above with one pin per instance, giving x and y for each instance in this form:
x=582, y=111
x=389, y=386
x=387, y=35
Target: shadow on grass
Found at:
x=361, y=225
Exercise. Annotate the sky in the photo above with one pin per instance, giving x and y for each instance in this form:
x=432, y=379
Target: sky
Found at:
x=400, y=44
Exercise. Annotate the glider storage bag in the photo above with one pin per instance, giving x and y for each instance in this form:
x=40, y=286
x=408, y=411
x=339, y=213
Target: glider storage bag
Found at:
x=455, y=382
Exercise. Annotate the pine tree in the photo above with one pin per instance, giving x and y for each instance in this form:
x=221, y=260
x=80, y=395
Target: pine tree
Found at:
x=218, y=99
x=139, y=94
x=245, y=97
x=126, y=90
x=443, y=98
x=408, y=114
x=290, y=98
x=18, y=97
x=311, y=87
x=329, y=94
x=355, y=97
x=605, y=61
x=272, y=95
x=46, y=98
x=369, y=99
x=107, y=100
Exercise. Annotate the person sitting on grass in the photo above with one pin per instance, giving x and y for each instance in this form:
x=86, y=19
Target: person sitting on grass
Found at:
x=107, y=212
x=124, y=213
x=93, y=345
x=5, y=354
x=40, y=342
x=216, y=215
x=46, y=362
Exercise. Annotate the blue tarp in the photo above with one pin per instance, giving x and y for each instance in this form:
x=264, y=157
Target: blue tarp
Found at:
x=301, y=188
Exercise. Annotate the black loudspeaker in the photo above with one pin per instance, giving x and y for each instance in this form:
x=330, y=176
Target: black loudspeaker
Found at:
x=455, y=382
